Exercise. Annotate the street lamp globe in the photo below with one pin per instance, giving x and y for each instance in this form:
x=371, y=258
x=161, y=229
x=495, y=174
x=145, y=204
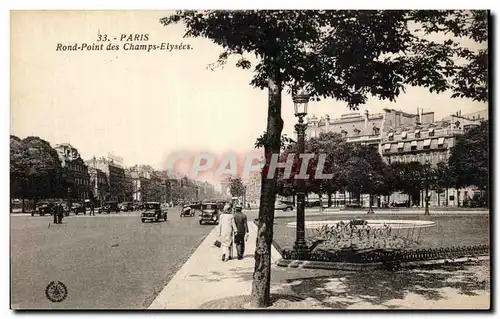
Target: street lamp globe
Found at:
x=300, y=101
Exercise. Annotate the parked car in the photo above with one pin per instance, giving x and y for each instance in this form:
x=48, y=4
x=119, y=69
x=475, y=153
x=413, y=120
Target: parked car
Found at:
x=209, y=213
x=78, y=208
x=108, y=207
x=43, y=208
x=400, y=204
x=353, y=205
x=284, y=206
x=126, y=207
x=153, y=211
x=312, y=203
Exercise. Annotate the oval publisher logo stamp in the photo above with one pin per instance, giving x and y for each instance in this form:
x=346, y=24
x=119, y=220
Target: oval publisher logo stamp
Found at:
x=56, y=291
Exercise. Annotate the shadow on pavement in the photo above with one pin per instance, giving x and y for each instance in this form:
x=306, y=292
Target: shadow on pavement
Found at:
x=343, y=289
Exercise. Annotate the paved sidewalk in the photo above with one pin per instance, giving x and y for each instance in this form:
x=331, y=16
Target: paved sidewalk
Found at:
x=205, y=277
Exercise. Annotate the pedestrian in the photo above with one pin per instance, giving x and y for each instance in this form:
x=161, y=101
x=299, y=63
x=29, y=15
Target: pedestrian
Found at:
x=92, y=212
x=55, y=208
x=60, y=213
x=227, y=228
x=241, y=234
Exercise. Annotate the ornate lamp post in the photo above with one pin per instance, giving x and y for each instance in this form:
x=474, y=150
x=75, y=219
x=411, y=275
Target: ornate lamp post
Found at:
x=370, y=210
x=300, y=102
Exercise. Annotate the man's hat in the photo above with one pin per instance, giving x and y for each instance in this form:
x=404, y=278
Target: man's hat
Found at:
x=238, y=206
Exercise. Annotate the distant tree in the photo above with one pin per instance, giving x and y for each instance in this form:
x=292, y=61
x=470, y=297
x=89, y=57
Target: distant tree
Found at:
x=469, y=159
x=365, y=171
x=236, y=187
x=408, y=177
x=347, y=55
x=443, y=179
x=36, y=170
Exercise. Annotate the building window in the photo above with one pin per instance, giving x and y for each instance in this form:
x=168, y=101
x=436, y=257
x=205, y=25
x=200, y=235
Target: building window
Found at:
x=417, y=134
x=391, y=136
x=441, y=142
x=413, y=145
x=401, y=145
x=404, y=135
x=357, y=131
x=344, y=133
x=431, y=132
x=387, y=147
x=376, y=130
x=427, y=143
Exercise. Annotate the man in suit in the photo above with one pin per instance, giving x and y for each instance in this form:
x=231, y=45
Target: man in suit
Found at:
x=241, y=233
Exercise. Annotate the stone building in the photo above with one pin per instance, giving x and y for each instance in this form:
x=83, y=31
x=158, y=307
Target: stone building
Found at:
x=140, y=177
x=115, y=175
x=402, y=137
x=76, y=172
x=99, y=185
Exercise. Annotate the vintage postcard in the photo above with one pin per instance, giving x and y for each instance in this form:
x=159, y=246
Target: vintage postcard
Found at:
x=291, y=159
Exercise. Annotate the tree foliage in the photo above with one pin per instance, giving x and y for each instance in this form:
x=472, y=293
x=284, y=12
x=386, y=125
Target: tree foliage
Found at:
x=349, y=55
x=35, y=169
x=469, y=159
x=236, y=187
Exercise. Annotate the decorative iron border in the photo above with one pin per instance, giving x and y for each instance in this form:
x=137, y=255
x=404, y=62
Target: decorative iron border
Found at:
x=387, y=256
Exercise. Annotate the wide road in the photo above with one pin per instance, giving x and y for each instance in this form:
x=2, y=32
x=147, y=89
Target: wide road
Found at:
x=106, y=261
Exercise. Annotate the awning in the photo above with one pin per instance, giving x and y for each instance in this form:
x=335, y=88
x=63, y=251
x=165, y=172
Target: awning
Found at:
x=401, y=145
x=417, y=131
x=427, y=142
x=404, y=134
x=387, y=146
x=413, y=143
x=431, y=130
x=441, y=141
x=391, y=134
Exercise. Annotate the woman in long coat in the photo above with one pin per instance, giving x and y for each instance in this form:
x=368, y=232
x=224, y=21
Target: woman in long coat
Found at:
x=227, y=227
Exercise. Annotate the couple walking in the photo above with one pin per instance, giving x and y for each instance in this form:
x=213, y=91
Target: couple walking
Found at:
x=233, y=228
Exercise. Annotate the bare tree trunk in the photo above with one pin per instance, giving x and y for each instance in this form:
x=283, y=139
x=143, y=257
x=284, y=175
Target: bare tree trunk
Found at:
x=261, y=285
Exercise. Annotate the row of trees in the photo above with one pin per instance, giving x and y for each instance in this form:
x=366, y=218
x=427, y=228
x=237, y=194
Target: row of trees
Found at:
x=359, y=169
x=35, y=170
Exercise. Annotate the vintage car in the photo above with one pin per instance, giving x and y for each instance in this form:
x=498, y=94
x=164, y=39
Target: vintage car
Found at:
x=108, y=207
x=153, y=211
x=78, y=208
x=126, y=207
x=43, y=208
x=187, y=210
x=209, y=213
x=284, y=206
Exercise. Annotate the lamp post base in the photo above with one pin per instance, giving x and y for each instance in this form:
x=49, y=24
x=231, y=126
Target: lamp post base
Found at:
x=301, y=249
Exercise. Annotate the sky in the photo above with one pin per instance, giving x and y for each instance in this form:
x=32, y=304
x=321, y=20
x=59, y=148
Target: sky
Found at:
x=143, y=106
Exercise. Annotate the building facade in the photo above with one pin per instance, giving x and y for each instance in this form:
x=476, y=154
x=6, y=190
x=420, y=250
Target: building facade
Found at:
x=115, y=174
x=100, y=186
x=140, y=179
x=404, y=137
x=75, y=171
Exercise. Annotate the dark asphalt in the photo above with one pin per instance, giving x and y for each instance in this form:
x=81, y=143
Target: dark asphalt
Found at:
x=106, y=262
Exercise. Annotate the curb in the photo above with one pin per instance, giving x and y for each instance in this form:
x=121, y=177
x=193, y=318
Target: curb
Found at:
x=276, y=249
x=287, y=263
